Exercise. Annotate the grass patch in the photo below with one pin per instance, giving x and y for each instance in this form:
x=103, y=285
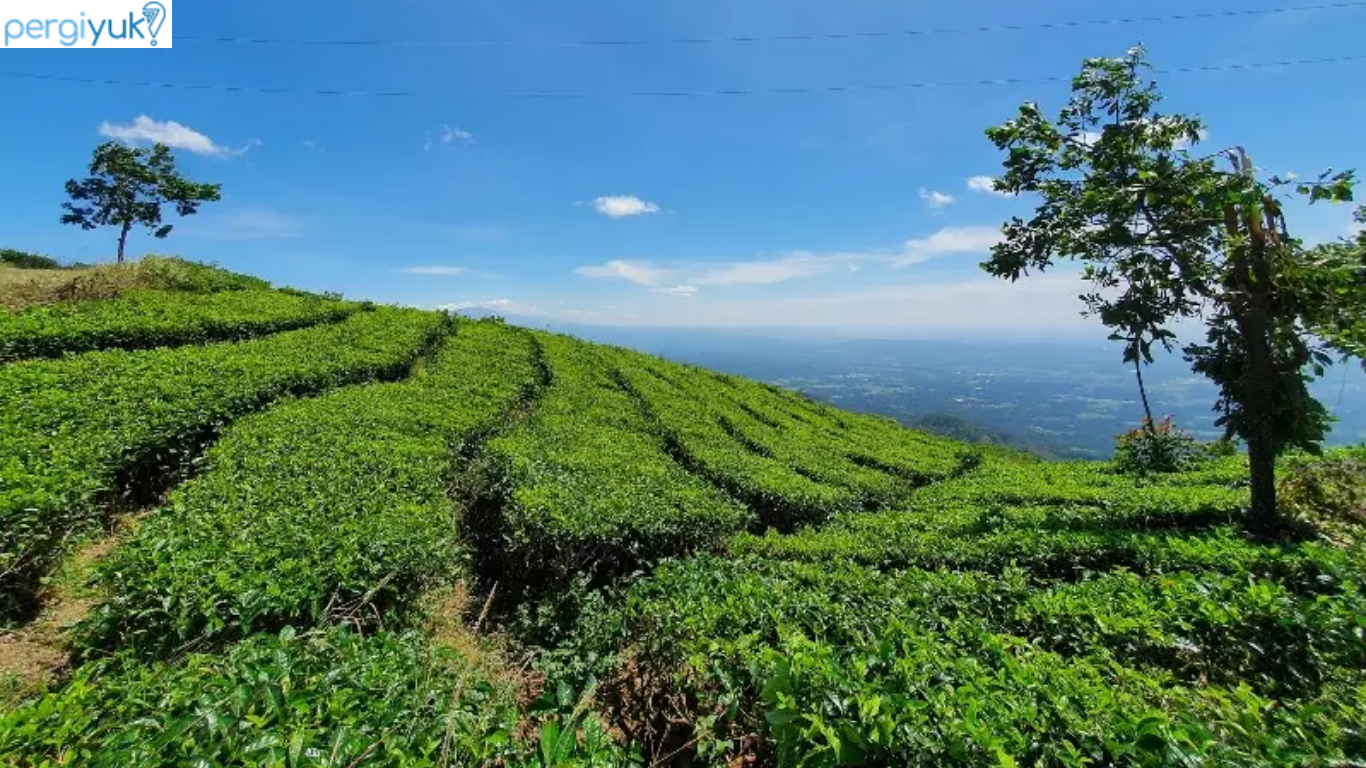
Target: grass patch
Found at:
x=26, y=287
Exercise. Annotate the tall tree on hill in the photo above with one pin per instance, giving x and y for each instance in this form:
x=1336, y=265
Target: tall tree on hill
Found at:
x=1164, y=235
x=128, y=186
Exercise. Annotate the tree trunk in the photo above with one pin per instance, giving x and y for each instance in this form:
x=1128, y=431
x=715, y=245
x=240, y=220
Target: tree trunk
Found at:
x=1259, y=387
x=123, y=239
x=1259, y=409
x=1143, y=393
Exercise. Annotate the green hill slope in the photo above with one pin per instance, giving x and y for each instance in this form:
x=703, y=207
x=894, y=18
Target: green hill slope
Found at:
x=401, y=538
x=155, y=302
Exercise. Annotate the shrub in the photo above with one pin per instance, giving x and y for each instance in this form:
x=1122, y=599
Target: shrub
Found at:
x=831, y=664
x=141, y=319
x=968, y=461
x=692, y=426
x=794, y=461
x=1331, y=488
x=1157, y=447
x=24, y=260
x=317, y=509
x=308, y=700
x=587, y=485
x=174, y=274
x=77, y=433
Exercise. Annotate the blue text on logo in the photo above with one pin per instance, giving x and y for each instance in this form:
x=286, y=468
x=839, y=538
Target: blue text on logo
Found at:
x=72, y=31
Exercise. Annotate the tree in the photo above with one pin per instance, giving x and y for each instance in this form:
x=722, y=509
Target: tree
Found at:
x=128, y=186
x=1338, y=277
x=1162, y=236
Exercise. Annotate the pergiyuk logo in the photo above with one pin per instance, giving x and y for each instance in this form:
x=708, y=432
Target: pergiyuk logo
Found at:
x=86, y=24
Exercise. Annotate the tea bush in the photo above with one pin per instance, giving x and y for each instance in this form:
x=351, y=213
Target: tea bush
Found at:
x=77, y=432
x=144, y=319
x=336, y=503
x=331, y=698
x=589, y=486
x=692, y=427
x=832, y=664
x=1053, y=614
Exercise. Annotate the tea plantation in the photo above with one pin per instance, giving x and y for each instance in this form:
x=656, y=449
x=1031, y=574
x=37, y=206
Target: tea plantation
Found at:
x=242, y=526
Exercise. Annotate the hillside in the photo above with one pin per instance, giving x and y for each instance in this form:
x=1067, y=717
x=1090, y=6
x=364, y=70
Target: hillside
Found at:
x=246, y=526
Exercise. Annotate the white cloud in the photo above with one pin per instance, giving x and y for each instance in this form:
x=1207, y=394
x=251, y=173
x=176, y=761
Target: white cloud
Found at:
x=936, y=199
x=436, y=271
x=145, y=130
x=451, y=135
x=619, y=206
x=948, y=242
x=790, y=267
x=638, y=272
x=499, y=306
x=249, y=224
x=986, y=186
x=1087, y=138
x=1090, y=138
x=445, y=134
x=1184, y=144
x=685, y=280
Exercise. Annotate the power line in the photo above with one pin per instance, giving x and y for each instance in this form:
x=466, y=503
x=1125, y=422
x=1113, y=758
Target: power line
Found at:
x=923, y=85
x=927, y=32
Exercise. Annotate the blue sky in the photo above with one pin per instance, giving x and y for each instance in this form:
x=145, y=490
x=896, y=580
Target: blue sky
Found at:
x=825, y=209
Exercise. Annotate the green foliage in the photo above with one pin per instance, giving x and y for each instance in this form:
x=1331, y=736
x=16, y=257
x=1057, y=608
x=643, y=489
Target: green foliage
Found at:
x=1022, y=614
x=1127, y=634
x=168, y=273
x=1052, y=519
x=791, y=460
x=688, y=410
x=9, y=257
x=1336, y=279
x=1329, y=490
x=149, y=318
x=874, y=442
x=1157, y=447
x=813, y=453
x=588, y=486
x=965, y=698
x=596, y=477
x=78, y=432
x=1296, y=419
x=329, y=508
x=324, y=699
x=128, y=186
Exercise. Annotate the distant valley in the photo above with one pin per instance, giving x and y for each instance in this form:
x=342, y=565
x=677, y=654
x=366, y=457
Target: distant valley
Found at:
x=1062, y=400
